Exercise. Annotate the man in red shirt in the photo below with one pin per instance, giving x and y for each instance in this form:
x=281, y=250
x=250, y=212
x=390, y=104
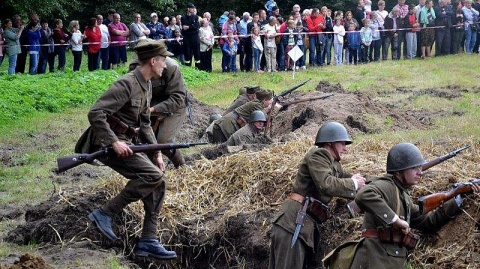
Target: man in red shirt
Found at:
x=316, y=24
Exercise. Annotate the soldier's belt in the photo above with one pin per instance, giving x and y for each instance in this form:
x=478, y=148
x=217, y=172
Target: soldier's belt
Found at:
x=120, y=127
x=316, y=209
x=389, y=235
x=239, y=120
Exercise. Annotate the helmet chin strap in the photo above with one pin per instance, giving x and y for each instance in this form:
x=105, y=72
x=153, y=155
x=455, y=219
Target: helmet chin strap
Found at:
x=336, y=156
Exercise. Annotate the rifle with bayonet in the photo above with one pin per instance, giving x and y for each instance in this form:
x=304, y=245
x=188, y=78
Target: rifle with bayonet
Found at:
x=355, y=210
x=287, y=103
x=300, y=221
x=278, y=98
x=68, y=162
x=429, y=202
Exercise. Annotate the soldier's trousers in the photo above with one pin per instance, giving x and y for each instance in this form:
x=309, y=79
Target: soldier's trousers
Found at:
x=167, y=130
x=146, y=183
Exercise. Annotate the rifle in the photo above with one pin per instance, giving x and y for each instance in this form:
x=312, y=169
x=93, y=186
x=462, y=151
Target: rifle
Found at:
x=355, y=210
x=430, y=202
x=68, y=162
x=286, y=103
x=278, y=98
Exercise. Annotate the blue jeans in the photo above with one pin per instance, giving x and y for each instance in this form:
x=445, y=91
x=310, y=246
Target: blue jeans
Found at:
x=1, y=60
x=104, y=57
x=60, y=51
x=232, y=63
x=281, y=56
x=33, y=64
x=301, y=61
x=470, y=39
x=12, y=63
x=327, y=50
x=315, y=51
x=256, y=59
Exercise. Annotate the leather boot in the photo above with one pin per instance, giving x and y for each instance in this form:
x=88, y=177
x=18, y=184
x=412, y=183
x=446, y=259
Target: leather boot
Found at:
x=153, y=248
x=103, y=222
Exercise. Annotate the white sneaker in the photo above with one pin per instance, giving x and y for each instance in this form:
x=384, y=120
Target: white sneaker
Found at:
x=304, y=67
x=296, y=67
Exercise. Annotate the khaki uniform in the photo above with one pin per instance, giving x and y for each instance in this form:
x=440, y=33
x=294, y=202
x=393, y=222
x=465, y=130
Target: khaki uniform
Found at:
x=169, y=98
x=128, y=99
x=241, y=99
x=321, y=177
x=227, y=125
x=380, y=200
x=245, y=135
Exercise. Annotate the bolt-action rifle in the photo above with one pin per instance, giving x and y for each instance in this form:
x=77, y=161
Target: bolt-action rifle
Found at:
x=355, y=210
x=430, y=202
x=287, y=103
x=278, y=98
x=68, y=162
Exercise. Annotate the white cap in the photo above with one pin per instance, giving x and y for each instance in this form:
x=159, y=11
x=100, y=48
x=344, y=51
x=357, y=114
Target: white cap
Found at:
x=153, y=14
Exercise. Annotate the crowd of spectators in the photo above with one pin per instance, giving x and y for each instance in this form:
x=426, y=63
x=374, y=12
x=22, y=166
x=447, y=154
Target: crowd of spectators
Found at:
x=259, y=42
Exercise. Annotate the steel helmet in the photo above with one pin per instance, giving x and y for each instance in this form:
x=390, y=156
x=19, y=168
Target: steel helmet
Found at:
x=332, y=132
x=214, y=117
x=257, y=115
x=403, y=156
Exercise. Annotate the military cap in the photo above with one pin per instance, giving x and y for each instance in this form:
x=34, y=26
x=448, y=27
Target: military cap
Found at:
x=252, y=89
x=264, y=95
x=149, y=48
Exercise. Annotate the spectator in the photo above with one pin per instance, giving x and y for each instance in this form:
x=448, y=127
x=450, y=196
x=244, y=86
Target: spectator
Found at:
x=353, y=44
x=402, y=13
x=270, y=46
x=316, y=24
x=206, y=45
x=138, y=30
x=339, y=33
x=249, y=52
x=93, y=34
x=257, y=49
x=374, y=53
x=458, y=31
x=222, y=20
x=191, y=41
x=169, y=31
x=443, y=17
x=207, y=16
x=289, y=40
x=411, y=22
x=427, y=20
x=231, y=24
x=104, y=47
x=381, y=16
x=300, y=64
x=77, y=44
x=245, y=43
x=327, y=48
x=166, y=20
x=118, y=36
x=470, y=18
x=366, y=40
x=22, y=56
x=281, y=26
x=109, y=18
x=269, y=5
x=393, y=22
x=2, y=45
x=157, y=29
x=359, y=13
x=47, y=48
x=176, y=46
x=33, y=48
x=230, y=48
x=60, y=38
x=12, y=36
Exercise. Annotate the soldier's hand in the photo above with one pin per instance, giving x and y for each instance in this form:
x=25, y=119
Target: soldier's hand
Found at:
x=475, y=188
x=158, y=160
x=402, y=225
x=121, y=149
x=359, y=180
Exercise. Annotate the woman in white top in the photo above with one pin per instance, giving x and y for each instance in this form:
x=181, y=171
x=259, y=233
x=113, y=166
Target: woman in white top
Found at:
x=206, y=43
x=77, y=44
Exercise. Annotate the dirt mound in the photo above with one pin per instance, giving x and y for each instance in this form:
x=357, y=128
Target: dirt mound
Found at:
x=28, y=261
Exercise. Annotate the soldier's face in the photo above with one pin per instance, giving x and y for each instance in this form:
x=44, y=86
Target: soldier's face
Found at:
x=258, y=124
x=341, y=148
x=158, y=66
x=411, y=176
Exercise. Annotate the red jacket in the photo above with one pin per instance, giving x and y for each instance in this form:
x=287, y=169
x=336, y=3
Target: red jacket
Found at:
x=313, y=23
x=93, y=37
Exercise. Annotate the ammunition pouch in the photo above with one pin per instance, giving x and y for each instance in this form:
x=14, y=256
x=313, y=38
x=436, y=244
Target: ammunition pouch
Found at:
x=317, y=210
x=393, y=236
x=239, y=120
x=120, y=127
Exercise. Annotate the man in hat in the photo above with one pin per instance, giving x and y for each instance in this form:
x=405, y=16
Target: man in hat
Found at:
x=157, y=29
x=168, y=107
x=246, y=94
x=227, y=125
x=127, y=103
x=191, y=39
x=250, y=133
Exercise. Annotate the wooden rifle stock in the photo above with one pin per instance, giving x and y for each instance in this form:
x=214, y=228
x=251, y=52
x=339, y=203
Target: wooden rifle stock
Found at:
x=355, y=210
x=430, y=202
x=277, y=98
x=68, y=162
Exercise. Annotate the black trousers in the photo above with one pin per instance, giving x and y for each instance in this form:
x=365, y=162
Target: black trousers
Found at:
x=191, y=48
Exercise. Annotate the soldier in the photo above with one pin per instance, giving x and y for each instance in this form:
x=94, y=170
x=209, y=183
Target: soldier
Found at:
x=121, y=114
x=249, y=133
x=390, y=210
x=320, y=176
x=168, y=106
x=244, y=97
x=227, y=125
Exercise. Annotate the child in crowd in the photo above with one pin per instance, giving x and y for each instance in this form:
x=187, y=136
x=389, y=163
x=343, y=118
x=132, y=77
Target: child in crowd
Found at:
x=366, y=39
x=374, y=53
x=338, y=34
x=411, y=36
x=257, y=49
x=176, y=46
x=230, y=48
x=353, y=43
x=76, y=43
x=289, y=40
x=301, y=45
x=33, y=48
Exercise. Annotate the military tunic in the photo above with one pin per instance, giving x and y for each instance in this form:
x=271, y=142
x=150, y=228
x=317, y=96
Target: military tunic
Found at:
x=321, y=177
x=227, y=125
x=241, y=99
x=169, y=94
x=245, y=135
x=128, y=99
x=379, y=199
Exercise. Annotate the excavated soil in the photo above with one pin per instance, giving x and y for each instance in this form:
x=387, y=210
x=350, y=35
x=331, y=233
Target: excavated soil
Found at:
x=218, y=238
